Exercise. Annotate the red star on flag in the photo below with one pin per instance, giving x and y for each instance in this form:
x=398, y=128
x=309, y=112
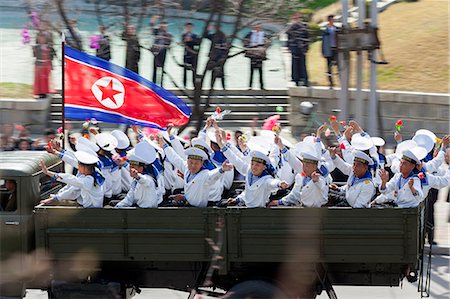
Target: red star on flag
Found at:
x=108, y=92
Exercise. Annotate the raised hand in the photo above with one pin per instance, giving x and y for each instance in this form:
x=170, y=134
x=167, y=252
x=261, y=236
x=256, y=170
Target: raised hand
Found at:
x=227, y=166
x=219, y=140
x=398, y=137
x=335, y=127
x=44, y=168
x=356, y=127
x=315, y=176
x=384, y=175
x=160, y=140
x=278, y=142
x=348, y=133
x=321, y=129
x=445, y=141
x=332, y=151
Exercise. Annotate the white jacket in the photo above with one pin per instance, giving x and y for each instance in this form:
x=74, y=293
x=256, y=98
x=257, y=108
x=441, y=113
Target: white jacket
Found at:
x=143, y=193
x=309, y=195
x=197, y=190
x=80, y=188
x=404, y=197
x=358, y=192
x=257, y=194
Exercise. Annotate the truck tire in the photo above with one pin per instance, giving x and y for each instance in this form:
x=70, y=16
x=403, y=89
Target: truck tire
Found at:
x=254, y=289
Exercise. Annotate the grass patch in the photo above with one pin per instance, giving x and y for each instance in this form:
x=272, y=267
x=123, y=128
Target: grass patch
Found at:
x=15, y=90
x=391, y=74
x=417, y=52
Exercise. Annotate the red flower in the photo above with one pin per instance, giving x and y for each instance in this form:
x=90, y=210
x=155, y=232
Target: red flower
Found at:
x=342, y=146
x=60, y=130
x=399, y=122
x=332, y=118
x=228, y=136
x=343, y=122
x=217, y=109
x=421, y=175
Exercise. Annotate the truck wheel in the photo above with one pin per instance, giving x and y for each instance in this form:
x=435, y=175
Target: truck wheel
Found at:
x=254, y=289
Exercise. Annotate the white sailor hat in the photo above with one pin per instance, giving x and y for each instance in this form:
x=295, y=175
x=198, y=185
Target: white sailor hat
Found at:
x=362, y=158
x=361, y=142
x=106, y=141
x=260, y=157
x=306, y=150
x=153, y=144
x=410, y=156
x=196, y=153
x=312, y=140
x=211, y=135
x=86, y=157
x=261, y=144
x=424, y=141
x=309, y=154
x=426, y=132
x=122, y=139
x=81, y=147
x=201, y=144
x=419, y=152
x=403, y=146
x=378, y=141
x=142, y=154
x=88, y=143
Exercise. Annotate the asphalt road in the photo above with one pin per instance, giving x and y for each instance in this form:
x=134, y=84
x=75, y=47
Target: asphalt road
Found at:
x=440, y=288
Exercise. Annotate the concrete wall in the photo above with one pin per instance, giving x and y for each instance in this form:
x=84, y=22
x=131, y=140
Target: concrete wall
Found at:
x=417, y=110
x=32, y=112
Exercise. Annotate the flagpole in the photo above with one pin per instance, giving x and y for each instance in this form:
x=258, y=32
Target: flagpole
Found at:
x=63, y=38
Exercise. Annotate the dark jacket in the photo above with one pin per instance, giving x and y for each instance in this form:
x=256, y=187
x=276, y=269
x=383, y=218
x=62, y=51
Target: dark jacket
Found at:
x=298, y=38
x=190, y=47
x=104, y=50
x=133, y=52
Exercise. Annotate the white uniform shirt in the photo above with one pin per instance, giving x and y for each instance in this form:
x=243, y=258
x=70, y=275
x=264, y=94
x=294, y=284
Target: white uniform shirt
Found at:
x=80, y=188
x=404, y=197
x=196, y=186
x=284, y=171
x=258, y=193
x=358, y=192
x=143, y=193
x=308, y=194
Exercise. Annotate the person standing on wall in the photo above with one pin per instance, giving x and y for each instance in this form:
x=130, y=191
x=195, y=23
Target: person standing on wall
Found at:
x=298, y=44
x=256, y=44
x=162, y=42
x=191, y=43
x=133, y=54
x=329, y=50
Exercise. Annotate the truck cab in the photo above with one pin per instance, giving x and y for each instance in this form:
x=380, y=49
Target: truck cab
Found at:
x=22, y=186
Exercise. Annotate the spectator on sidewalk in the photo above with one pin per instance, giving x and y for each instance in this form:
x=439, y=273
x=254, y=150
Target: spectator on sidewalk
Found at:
x=74, y=40
x=162, y=42
x=329, y=51
x=256, y=44
x=217, y=55
x=133, y=54
x=43, y=66
x=191, y=42
x=104, y=47
x=298, y=44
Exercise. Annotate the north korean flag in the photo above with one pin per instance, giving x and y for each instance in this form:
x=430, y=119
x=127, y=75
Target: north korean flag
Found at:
x=96, y=88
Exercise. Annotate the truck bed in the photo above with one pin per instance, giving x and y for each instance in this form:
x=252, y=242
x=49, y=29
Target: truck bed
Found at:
x=357, y=246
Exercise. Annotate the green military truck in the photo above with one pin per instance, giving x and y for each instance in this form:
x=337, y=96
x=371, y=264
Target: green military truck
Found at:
x=247, y=253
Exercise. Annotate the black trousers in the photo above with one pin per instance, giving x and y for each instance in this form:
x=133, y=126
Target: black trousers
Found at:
x=299, y=72
x=158, y=63
x=217, y=72
x=254, y=67
x=432, y=198
x=190, y=65
x=330, y=61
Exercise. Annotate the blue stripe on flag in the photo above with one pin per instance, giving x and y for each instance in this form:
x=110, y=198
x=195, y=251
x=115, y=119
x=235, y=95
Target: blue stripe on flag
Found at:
x=105, y=116
x=121, y=71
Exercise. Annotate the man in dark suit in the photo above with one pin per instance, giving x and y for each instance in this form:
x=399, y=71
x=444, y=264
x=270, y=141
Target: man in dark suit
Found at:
x=217, y=55
x=162, y=42
x=191, y=43
x=133, y=49
x=298, y=44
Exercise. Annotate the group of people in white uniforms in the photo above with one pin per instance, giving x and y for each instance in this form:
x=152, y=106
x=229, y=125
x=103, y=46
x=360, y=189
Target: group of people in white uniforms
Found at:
x=151, y=172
